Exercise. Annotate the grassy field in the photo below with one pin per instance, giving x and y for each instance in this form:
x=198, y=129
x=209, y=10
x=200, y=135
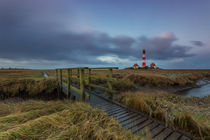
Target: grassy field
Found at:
x=57, y=120
x=26, y=84
x=189, y=114
x=163, y=79
x=23, y=118
x=135, y=80
x=11, y=74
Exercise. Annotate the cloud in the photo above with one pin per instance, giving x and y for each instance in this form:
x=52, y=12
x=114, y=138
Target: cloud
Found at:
x=112, y=59
x=197, y=43
x=43, y=32
x=162, y=47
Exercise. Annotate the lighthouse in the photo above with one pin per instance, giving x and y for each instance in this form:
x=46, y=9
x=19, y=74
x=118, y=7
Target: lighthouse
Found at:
x=144, y=58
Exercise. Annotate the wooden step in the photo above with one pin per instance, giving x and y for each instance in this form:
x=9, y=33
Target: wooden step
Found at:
x=134, y=123
x=174, y=136
x=164, y=134
x=157, y=130
x=141, y=125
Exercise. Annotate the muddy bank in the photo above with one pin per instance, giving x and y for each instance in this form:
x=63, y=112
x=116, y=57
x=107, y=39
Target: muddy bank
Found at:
x=198, y=84
x=202, y=90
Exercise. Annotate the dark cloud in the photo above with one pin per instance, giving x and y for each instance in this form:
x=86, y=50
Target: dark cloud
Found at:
x=197, y=43
x=36, y=31
x=162, y=47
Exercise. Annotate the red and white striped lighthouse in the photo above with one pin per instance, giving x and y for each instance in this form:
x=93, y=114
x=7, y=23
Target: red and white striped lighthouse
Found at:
x=144, y=58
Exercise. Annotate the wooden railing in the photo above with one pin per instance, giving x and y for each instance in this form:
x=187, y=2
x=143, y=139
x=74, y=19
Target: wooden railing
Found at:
x=84, y=81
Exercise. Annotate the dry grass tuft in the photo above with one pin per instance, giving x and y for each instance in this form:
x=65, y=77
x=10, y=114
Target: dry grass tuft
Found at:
x=190, y=114
x=58, y=120
x=25, y=88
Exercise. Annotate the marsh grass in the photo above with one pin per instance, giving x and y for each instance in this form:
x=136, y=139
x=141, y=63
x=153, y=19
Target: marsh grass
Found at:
x=12, y=74
x=28, y=88
x=58, y=120
x=178, y=112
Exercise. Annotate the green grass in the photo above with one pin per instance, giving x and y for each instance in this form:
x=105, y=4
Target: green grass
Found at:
x=21, y=74
x=57, y=120
x=189, y=114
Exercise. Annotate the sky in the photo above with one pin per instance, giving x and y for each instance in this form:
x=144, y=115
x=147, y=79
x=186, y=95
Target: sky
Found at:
x=42, y=34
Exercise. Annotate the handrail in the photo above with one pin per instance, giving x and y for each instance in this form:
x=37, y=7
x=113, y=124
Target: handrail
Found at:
x=105, y=68
x=81, y=77
x=73, y=68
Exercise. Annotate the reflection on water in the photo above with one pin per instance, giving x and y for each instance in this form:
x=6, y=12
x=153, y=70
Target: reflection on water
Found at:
x=198, y=92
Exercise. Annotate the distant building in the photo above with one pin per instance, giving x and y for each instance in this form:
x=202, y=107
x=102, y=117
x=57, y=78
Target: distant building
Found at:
x=153, y=65
x=135, y=66
x=144, y=59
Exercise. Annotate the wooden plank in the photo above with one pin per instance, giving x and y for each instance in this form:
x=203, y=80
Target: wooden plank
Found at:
x=102, y=88
x=105, y=68
x=61, y=82
x=130, y=120
x=163, y=134
x=157, y=130
x=89, y=78
x=134, y=123
x=82, y=84
x=75, y=68
x=56, y=73
x=116, y=112
x=109, y=83
x=120, y=120
x=124, y=115
x=108, y=107
x=174, y=136
x=103, y=105
x=76, y=90
x=104, y=78
x=69, y=73
x=150, y=127
x=112, y=109
x=141, y=125
x=78, y=73
x=121, y=112
x=184, y=138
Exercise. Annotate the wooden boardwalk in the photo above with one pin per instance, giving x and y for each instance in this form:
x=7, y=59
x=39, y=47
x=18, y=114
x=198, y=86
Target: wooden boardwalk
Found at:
x=134, y=121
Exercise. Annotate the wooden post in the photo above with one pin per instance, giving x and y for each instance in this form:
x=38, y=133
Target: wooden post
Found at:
x=89, y=78
x=78, y=71
x=57, y=82
x=69, y=71
x=61, y=82
x=109, y=83
x=78, y=74
x=82, y=83
x=56, y=73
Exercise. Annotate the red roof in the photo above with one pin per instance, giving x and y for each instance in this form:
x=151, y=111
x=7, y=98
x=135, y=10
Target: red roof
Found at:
x=152, y=65
x=135, y=65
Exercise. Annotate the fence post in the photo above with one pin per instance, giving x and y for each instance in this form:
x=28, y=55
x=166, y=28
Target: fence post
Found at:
x=56, y=73
x=82, y=83
x=109, y=83
x=57, y=82
x=78, y=71
x=89, y=78
x=69, y=72
x=61, y=82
